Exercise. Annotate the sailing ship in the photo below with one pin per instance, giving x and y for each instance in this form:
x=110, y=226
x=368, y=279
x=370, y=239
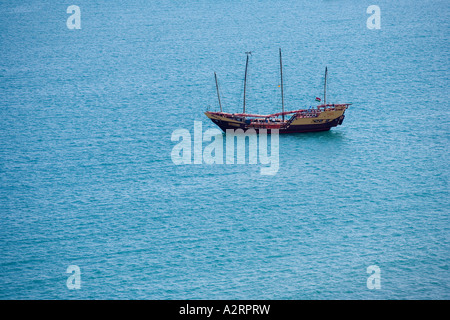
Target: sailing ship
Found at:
x=322, y=118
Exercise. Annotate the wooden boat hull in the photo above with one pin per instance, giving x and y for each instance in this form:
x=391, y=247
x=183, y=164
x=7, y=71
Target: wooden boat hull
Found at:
x=321, y=122
x=224, y=125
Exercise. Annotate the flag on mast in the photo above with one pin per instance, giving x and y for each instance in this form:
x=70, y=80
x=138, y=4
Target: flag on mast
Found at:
x=318, y=99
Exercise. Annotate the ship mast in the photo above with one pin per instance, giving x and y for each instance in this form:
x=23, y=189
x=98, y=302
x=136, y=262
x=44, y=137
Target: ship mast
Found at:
x=218, y=95
x=245, y=78
x=282, y=95
x=325, y=88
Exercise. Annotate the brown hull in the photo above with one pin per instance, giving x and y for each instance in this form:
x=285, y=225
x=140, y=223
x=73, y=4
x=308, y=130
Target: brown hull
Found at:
x=224, y=125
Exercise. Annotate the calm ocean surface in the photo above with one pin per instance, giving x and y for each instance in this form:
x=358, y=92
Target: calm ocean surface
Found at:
x=87, y=179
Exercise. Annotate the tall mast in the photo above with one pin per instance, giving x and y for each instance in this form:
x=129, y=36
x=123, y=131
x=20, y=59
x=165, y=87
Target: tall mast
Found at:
x=282, y=95
x=245, y=78
x=325, y=87
x=218, y=95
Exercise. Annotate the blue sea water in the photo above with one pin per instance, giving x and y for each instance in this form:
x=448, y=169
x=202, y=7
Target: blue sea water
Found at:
x=87, y=179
